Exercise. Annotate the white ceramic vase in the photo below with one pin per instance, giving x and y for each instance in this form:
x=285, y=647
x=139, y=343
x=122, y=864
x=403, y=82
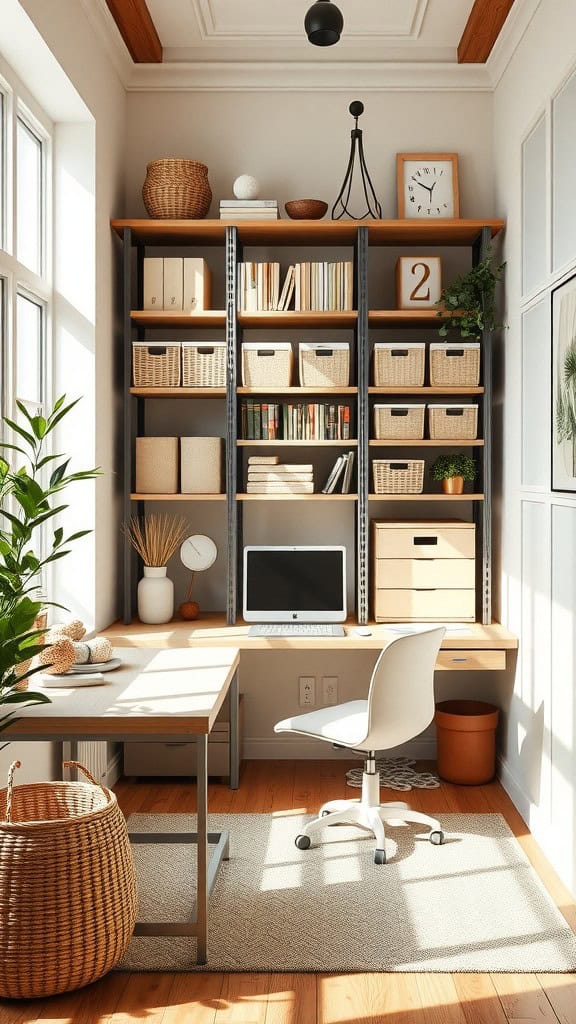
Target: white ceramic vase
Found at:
x=155, y=595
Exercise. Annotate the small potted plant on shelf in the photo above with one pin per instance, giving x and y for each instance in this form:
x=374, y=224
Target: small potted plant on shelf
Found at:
x=467, y=304
x=453, y=470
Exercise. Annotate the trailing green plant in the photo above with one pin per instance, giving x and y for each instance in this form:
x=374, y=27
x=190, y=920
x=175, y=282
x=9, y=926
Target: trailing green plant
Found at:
x=566, y=401
x=453, y=464
x=468, y=304
x=29, y=499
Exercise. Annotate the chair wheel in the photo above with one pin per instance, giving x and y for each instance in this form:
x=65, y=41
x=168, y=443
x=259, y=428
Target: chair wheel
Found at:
x=436, y=838
x=303, y=842
x=379, y=856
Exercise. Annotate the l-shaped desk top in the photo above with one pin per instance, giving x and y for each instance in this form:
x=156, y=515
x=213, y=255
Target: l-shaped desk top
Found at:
x=466, y=646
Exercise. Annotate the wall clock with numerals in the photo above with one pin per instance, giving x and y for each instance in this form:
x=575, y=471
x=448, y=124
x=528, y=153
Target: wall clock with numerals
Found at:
x=427, y=185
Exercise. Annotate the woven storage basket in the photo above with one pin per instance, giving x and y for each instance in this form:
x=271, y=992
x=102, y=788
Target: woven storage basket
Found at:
x=453, y=421
x=393, y=477
x=454, y=365
x=157, y=465
x=176, y=188
x=324, y=365
x=203, y=365
x=67, y=886
x=397, y=365
x=399, y=421
x=267, y=366
x=156, y=366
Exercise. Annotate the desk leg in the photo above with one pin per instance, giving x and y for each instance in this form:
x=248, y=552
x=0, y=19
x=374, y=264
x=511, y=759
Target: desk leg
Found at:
x=234, y=733
x=69, y=753
x=201, y=880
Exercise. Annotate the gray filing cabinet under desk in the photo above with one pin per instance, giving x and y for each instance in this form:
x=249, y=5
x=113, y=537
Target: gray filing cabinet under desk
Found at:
x=179, y=759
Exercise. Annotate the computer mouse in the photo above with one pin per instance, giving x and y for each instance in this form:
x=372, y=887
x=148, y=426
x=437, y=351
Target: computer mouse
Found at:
x=363, y=631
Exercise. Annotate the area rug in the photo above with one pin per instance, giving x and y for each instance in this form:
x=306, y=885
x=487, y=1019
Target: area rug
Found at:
x=396, y=773
x=473, y=904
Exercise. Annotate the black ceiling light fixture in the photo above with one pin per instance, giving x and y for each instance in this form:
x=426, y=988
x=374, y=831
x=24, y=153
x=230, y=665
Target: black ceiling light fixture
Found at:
x=323, y=23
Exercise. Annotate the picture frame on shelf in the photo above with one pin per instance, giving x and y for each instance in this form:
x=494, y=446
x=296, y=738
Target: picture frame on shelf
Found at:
x=563, y=382
x=418, y=282
x=427, y=185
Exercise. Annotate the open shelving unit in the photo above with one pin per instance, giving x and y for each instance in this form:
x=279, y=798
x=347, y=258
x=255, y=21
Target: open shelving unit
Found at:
x=138, y=236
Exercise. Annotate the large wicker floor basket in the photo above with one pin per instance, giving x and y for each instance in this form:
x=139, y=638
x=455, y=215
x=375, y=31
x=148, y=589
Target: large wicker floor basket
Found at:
x=67, y=888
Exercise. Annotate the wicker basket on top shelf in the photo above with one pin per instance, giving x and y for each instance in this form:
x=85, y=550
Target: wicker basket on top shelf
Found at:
x=177, y=188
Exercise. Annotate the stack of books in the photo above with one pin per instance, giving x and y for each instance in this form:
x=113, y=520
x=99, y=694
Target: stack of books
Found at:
x=267, y=475
x=341, y=472
x=326, y=287
x=299, y=421
x=259, y=287
x=248, y=209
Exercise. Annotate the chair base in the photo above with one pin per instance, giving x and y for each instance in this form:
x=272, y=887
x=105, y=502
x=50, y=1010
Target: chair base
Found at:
x=368, y=814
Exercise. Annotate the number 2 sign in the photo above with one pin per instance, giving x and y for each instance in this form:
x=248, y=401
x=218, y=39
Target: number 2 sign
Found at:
x=418, y=281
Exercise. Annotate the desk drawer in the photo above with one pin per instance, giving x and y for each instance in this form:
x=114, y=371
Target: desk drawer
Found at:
x=426, y=541
x=408, y=573
x=491, y=661
x=423, y=605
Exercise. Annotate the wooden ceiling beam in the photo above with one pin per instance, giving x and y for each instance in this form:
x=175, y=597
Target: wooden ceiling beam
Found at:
x=137, y=30
x=482, y=29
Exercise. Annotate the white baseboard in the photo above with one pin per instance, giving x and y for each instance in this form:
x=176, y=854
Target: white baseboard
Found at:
x=296, y=748
x=113, y=770
x=519, y=798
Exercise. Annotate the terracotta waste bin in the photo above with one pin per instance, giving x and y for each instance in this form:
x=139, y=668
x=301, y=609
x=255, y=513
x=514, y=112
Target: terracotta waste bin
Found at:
x=466, y=741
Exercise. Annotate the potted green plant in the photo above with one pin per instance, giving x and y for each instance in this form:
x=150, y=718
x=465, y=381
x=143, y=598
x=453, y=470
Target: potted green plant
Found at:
x=566, y=402
x=453, y=469
x=29, y=498
x=467, y=304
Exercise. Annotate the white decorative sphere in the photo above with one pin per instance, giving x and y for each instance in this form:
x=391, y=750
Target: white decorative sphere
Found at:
x=246, y=187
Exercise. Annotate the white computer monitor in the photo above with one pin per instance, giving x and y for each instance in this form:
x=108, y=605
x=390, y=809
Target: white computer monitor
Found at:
x=294, y=584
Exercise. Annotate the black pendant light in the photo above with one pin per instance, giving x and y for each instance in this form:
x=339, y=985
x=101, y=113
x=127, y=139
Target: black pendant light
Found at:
x=323, y=23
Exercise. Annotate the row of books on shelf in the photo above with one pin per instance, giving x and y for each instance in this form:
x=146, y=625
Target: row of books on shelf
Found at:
x=267, y=475
x=321, y=287
x=301, y=421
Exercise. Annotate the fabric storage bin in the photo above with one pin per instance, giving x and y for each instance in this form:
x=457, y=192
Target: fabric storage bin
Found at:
x=453, y=421
x=399, y=421
x=324, y=365
x=455, y=364
x=397, y=364
x=394, y=477
x=156, y=365
x=203, y=364
x=267, y=366
x=157, y=465
x=201, y=465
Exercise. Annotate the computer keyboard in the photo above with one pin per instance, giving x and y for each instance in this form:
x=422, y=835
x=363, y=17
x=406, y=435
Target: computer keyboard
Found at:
x=296, y=629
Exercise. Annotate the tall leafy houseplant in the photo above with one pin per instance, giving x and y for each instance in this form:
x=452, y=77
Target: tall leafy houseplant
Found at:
x=566, y=401
x=29, y=499
x=468, y=303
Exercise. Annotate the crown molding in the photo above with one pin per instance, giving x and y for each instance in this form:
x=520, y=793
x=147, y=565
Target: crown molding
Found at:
x=103, y=23
x=510, y=38
x=278, y=76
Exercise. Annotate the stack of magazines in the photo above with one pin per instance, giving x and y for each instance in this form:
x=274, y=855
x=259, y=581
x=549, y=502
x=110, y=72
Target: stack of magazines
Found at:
x=267, y=475
x=248, y=209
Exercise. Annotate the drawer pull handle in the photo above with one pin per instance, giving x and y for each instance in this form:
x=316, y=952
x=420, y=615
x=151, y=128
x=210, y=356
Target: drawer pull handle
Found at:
x=459, y=659
x=451, y=353
x=426, y=590
x=454, y=412
x=265, y=352
x=205, y=350
x=425, y=540
x=397, y=465
x=399, y=412
x=158, y=350
x=323, y=351
x=402, y=352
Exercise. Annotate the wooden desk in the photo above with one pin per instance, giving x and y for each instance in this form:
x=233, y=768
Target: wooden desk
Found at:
x=154, y=695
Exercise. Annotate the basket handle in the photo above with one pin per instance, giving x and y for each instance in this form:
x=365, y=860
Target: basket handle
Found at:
x=10, y=789
x=81, y=768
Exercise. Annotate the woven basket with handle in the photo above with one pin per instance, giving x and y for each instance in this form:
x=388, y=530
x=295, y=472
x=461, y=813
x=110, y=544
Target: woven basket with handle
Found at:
x=67, y=887
x=177, y=188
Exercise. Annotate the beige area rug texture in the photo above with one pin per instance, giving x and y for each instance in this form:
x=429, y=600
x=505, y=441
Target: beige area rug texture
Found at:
x=473, y=904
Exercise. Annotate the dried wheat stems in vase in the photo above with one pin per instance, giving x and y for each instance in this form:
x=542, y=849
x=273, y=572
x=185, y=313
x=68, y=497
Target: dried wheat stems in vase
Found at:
x=157, y=536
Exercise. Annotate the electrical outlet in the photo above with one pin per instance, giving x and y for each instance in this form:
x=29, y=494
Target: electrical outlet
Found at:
x=329, y=689
x=307, y=688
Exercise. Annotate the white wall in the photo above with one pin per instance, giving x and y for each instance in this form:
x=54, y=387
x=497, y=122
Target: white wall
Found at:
x=538, y=526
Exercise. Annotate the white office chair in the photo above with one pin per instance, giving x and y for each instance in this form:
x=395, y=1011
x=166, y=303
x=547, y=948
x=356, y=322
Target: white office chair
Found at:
x=400, y=705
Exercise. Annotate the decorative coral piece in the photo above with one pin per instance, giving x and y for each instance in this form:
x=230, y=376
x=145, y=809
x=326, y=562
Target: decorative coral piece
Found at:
x=100, y=649
x=74, y=630
x=58, y=658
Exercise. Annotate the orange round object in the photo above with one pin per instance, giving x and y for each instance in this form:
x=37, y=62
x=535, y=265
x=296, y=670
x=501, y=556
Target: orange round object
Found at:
x=189, y=610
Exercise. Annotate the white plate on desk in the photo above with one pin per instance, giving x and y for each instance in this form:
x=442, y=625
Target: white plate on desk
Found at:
x=103, y=666
x=73, y=679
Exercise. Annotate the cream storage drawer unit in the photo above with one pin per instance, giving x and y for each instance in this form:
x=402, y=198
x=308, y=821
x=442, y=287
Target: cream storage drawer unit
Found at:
x=423, y=571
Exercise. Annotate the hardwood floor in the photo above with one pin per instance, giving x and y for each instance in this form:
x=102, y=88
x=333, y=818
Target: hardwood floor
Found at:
x=309, y=998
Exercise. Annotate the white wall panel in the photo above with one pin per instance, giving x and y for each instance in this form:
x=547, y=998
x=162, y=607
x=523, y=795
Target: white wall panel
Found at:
x=532, y=698
x=536, y=395
x=563, y=161
x=534, y=205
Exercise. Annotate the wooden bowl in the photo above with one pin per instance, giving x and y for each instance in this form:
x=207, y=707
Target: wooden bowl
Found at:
x=306, y=209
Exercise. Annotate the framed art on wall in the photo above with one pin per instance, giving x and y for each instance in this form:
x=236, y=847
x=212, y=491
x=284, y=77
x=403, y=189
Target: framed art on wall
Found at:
x=564, y=386
x=427, y=185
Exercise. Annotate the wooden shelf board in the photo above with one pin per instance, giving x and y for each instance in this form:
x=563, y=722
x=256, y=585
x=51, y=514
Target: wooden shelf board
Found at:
x=178, y=392
x=426, y=390
x=286, y=392
x=407, y=317
x=426, y=497
x=429, y=443
x=296, y=497
x=302, y=444
x=164, y=318
x=297, y=319
x=307, y=232
x=177, y=497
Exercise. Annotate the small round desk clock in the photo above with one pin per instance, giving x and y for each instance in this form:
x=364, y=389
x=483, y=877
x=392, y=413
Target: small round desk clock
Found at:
x=197, y=553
